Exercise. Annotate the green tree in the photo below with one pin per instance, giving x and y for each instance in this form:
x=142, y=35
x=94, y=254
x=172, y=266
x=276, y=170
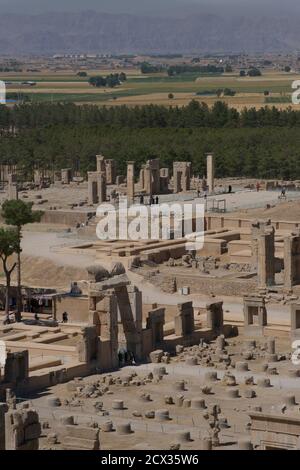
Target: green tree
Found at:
x=254, y=72
x=146, y=67
x=18, y=213
x=9, y=245
x=122, y=77
x=97, y=81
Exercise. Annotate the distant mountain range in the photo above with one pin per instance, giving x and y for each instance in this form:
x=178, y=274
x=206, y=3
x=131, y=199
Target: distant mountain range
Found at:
x=92, y=32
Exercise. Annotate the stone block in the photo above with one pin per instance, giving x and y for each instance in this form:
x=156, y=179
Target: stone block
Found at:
x=76, y=443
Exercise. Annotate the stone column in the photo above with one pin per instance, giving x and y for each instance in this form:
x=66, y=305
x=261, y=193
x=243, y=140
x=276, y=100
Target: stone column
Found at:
x=258, y=227
x=12, y=188
x=54, y=308
x=266, y=258
x=87, y=347
x=100, y=164
x=101, y=188
x=288, y=264
x=136, y=302
x=142, y=179
x=111, y=171
x=214, y=315
x=130, y=181
x=210, y=172
x=92, y=189
x=66, y=175
x=37, y=177
x=177, y=174
x=185, y=178
x=3, y=409
x=148, y=180
x=155, y=323
x=177, y=182
x=184, y=319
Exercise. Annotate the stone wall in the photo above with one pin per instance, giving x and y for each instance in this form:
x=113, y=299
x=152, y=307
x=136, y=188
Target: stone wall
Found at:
x=68, y=218
x=22, y=429
x=199, y=285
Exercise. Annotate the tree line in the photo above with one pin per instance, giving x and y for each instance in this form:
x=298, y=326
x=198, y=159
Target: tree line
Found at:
x=261, y=143
x=186, y=68
x=194, y=115
x=261, y=152
x=112, y=80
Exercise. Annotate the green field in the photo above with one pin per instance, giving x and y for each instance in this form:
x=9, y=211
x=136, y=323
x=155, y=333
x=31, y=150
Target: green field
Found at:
x=154, y=88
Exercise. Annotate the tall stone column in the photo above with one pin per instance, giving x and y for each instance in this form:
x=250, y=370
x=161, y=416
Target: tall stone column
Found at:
x=12, y=188
x=266, y=258
x=66, y=175
x=288, y=264
x=130, y=181
x=148, y=180
x=185, y=178
x=109, y=324
x=92, y=188
x=111, y=171
x=101, y=188
x=210, y=172
x=176, y=179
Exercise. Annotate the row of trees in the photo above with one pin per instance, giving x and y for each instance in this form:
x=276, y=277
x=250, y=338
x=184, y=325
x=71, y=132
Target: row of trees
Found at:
x=252, y=72
x=146, y=67
x=110, y=81
x=186, y=68
x=195, y=114
x=262, y=152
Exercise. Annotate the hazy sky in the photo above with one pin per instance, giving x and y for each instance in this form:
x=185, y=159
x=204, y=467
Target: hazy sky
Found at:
x=169, y=7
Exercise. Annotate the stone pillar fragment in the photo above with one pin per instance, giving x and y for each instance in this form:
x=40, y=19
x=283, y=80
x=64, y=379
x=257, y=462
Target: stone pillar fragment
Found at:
x=214, y=316
x=96, y=187
x=22, y=430
x=87, y=347
x=100, y=164
x=184, y=320
x=111, y=171
x=12, y=189
x=266, y=258
x=210, y=172
x=155, y=323
x=66, y=175
x=3, y=409
x=130, y=181
x=181, y=176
